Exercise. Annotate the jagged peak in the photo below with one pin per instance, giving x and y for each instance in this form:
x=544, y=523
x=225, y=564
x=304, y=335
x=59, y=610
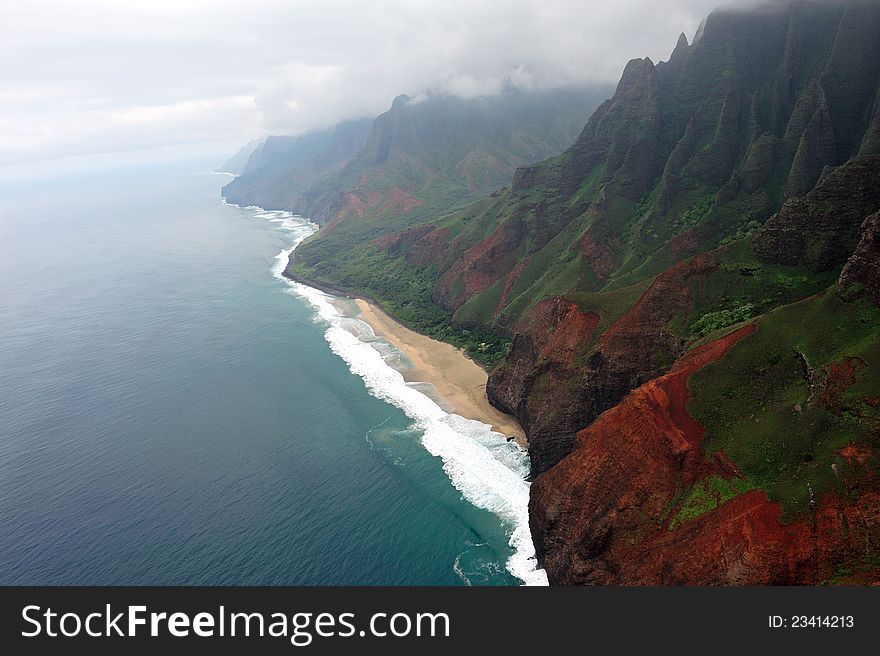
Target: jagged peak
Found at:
x=636, y=73
x=400, y=101
x=681, y=44
x=679, y=53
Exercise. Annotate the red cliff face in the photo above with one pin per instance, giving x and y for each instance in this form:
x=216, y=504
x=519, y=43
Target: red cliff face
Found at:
x=538, y=381
x=423, y=245
x=555, y=392
x=478, y=268
x=604, y=514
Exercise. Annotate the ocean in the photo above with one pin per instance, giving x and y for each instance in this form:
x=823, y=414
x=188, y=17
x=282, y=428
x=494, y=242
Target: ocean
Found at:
x=174, y=412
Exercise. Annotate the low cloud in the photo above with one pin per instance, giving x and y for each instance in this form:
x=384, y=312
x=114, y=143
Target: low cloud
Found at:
x=99, y=76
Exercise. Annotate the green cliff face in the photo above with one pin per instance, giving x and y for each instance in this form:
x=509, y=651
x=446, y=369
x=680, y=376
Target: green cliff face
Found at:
x=765, y=129
x=423, y=158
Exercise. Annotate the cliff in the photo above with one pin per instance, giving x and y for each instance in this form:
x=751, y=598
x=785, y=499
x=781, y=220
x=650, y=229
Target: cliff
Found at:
x=754, y=459
x=680, y=308
x=426, y=156
x=765, y=129
x=698, y=478
x=237, y=163
x=861, y=273
x=280, y=171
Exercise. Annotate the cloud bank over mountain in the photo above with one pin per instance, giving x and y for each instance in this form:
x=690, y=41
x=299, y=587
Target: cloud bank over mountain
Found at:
x=98, y=76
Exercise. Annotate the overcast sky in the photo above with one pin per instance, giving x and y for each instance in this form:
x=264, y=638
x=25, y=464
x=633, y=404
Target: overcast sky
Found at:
x=97, y=76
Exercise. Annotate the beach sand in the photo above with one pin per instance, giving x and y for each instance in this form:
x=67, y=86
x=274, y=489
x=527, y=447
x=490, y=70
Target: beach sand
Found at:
x=458, y=379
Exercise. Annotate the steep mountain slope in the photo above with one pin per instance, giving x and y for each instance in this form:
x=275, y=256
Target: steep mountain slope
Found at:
x=237, y=163
x=280, y=171
x=734, y=187
x=688, y=155
x=754, y=461
x=425, y=153
x=429, y=154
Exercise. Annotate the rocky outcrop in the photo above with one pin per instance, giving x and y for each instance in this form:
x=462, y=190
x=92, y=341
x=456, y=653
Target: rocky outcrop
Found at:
x=821, y=229
x=554, y=391
x=861, y=273
x=538, y=381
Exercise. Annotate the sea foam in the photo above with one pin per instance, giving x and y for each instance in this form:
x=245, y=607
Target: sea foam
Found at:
x=489, y=472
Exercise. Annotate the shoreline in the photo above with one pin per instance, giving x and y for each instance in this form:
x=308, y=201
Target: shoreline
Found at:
x=458, y=379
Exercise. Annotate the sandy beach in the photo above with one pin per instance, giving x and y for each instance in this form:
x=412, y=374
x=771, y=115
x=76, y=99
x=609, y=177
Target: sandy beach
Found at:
x=458, y=379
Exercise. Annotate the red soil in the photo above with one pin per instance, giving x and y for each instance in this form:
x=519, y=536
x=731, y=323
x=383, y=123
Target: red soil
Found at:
x=685, y=244
x=396, y=201
x=424, y=245
x=599, y=256
x=564, y=330
x=394, y=241
x=512, y=277
x=840, y=376
x=674, y=384
x=478, y=268
x=856, y=454
x=602, y=514
x=354, y=203
x=430, y=249
x=726, y=464
x=667, y=296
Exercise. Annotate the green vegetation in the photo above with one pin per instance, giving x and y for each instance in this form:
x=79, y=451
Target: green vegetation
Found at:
x=712, y=321
x=762, y=403
x=610, y=306
x=404, y=292
x=675, y=167
x=744, y=231
x=740, y=287
x=705, y=495
x=849, y=574
x=692, y=216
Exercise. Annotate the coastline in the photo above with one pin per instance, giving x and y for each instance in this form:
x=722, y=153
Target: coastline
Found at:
x=458, y=379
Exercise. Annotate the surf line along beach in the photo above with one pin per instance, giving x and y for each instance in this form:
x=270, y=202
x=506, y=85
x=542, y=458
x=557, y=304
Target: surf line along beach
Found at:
x=459, y=380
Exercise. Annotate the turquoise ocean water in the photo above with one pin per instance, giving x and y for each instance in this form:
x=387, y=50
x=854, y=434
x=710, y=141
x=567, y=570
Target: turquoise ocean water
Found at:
x=173, y=412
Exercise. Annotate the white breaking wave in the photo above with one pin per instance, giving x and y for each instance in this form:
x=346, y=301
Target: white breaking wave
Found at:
x=489, y=471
